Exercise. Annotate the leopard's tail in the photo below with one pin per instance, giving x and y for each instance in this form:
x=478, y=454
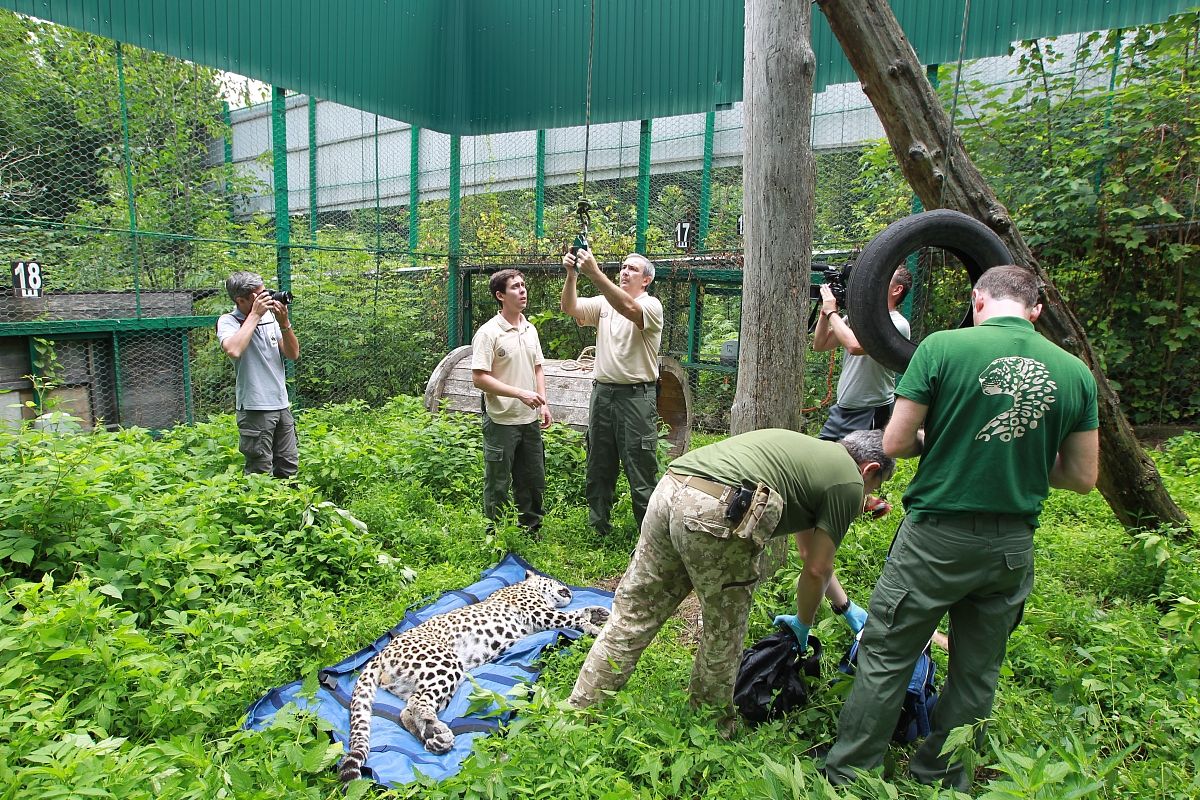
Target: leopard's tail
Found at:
x=362, y=699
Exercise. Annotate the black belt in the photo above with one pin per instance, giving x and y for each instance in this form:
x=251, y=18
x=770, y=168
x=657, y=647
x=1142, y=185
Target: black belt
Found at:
x=644, y=384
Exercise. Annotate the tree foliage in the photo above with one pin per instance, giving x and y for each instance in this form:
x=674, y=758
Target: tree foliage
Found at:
x=1104, y=183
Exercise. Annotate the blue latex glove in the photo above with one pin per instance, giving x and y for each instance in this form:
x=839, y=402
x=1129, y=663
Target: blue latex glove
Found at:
x=855, y=617
x=793, y=623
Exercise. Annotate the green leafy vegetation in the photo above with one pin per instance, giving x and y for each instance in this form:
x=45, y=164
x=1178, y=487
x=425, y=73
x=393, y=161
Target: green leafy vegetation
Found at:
x=151, y=592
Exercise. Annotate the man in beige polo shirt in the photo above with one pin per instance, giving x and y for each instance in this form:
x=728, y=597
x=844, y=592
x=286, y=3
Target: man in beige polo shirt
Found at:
x=506, y=365
x=623, y=417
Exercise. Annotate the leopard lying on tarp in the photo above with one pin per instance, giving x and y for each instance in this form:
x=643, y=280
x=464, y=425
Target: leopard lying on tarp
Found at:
x=425, y=665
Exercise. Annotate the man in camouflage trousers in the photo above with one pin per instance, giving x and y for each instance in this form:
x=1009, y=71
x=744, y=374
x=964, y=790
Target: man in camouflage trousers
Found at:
x=771, y=482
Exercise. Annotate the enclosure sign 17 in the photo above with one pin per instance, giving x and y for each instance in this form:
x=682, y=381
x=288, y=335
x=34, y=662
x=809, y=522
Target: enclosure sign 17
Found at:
x=27, y=278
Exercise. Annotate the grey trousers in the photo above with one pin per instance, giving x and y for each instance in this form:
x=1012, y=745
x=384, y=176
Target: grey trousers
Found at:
x=268, y=441
x=979, y=569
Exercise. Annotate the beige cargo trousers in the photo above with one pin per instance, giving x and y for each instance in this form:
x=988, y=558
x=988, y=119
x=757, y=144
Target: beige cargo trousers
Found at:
x=685, y=543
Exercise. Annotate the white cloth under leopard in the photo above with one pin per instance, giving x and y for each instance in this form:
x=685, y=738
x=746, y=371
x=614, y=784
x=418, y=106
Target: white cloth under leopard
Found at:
x=425, y=664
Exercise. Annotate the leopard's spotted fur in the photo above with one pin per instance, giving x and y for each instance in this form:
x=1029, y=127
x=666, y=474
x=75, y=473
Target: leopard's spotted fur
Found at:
x=426, y=664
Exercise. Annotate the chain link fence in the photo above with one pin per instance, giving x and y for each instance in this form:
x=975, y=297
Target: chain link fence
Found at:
x=129, y=190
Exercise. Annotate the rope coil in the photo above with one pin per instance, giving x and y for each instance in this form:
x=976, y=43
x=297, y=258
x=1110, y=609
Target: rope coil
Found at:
x=583, y=362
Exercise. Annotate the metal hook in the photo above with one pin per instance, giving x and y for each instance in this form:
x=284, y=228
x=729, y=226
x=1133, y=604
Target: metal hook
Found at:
x=583, y=212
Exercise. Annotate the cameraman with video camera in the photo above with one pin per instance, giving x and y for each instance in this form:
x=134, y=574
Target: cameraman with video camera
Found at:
x=866, y=390
x=258, y=336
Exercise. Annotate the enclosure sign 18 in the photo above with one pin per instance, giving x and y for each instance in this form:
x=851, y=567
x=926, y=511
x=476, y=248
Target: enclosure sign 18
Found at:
x=27, y=278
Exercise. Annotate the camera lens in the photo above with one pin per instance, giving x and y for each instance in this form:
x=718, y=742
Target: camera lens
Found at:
x=282, y=297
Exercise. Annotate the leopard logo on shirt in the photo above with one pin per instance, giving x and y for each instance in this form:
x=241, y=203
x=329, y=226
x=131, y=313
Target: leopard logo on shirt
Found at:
x=1028, y=383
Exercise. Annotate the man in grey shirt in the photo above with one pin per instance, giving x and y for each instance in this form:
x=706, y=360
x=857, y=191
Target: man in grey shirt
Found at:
x=866, y=390
x=258, y=336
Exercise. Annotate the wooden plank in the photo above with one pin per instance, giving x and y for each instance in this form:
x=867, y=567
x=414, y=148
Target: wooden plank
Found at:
x=575, y=417
x=557, y=369
x=433, y=389
x=566, y=380
x=570, y=392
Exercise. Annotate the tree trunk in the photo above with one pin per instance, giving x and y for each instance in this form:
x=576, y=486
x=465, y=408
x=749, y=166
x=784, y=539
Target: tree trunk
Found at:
x=934, y=162
x=777, y=178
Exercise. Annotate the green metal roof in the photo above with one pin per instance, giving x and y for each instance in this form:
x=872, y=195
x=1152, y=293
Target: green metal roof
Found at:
x=486, y=66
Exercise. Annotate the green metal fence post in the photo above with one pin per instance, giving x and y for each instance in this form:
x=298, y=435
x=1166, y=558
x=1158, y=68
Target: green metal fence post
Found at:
x=227, y=118
x=452, y=279
x=710, y=127
x=378, y=224
x=414, y=192
x=312, y=168
x=693, y=334
x=133, y=229
x=283, y=222
x=189, y=413
x=539, y=190
x=118, y=388
x=643, y=201
x=35, y=371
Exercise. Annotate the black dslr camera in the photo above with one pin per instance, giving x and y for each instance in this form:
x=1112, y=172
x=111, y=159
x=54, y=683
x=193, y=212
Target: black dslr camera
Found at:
x=279, y=297
x=836, y=278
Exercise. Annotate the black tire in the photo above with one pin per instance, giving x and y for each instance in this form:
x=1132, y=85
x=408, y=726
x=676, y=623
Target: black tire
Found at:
x=972, y=242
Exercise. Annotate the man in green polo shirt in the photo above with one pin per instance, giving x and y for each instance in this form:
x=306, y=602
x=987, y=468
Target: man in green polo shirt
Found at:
x=793, y=484
x=1006, y=415
x=506, y=365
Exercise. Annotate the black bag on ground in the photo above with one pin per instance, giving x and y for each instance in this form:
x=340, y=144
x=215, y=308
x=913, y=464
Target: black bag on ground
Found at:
x=771, y=680
x=919, y=698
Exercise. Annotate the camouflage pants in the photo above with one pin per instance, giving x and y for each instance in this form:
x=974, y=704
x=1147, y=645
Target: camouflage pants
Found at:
x=685, y=544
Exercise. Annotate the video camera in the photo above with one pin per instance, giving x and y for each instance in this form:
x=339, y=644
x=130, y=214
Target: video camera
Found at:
x=836, y=278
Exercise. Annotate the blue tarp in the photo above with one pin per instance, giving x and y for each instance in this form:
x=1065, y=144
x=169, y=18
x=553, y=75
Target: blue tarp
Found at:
x=396, y=755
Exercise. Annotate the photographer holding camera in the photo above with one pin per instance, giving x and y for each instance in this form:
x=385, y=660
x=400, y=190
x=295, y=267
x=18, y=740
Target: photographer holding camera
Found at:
x=258, y=336
x=866, y=390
